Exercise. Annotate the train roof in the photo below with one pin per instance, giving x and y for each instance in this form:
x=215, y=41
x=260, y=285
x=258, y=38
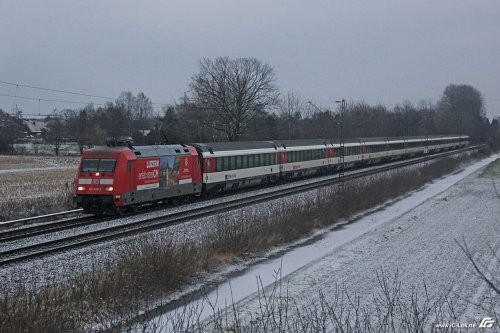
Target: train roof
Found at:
x=214, y=147
x=304, y=143
x=229, y=146
x=160, y=150
x=143, y=151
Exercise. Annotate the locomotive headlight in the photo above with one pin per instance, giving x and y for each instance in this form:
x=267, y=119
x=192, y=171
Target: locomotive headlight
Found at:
x=97, y=174
x=81, y=188
x=109, y=189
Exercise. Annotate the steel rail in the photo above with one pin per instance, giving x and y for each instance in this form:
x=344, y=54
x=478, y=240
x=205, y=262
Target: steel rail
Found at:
x=49, y=227
x=40, y=217
x=130, y=229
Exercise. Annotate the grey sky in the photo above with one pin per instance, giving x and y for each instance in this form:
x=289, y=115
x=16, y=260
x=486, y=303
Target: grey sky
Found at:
x=374, y=51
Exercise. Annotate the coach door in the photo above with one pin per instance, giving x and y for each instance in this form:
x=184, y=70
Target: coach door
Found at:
x=282, y=159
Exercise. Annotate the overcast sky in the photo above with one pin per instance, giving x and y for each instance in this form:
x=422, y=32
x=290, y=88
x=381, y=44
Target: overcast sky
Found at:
x=374, y=51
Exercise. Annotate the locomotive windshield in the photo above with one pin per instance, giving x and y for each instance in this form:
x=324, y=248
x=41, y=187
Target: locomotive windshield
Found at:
x=102, y=165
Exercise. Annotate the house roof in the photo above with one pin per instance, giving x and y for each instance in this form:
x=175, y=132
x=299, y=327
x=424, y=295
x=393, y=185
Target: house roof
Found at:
x=34, y=126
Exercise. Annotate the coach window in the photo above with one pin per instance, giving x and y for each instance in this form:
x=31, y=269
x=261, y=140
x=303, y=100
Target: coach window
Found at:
x=225, y=164
x=238, y=162
x=218, y=163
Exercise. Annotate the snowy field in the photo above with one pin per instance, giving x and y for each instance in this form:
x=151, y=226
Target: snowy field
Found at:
x=415, y=238
x=32, y=185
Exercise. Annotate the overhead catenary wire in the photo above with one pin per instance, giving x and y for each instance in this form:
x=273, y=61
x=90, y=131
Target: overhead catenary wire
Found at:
x=60, y=101
x=49, y=100
x=63, y=91
x=54, y=90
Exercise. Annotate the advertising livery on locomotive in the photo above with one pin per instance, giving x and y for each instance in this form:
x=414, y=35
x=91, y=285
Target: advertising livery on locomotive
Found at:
x=120, y=177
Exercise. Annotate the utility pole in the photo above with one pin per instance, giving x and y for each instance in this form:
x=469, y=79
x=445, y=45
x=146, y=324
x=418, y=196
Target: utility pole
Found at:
x=342, y=141
x=17, y=112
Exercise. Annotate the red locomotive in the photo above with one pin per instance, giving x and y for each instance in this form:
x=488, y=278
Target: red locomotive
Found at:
x=113, y=178
x=120, y=176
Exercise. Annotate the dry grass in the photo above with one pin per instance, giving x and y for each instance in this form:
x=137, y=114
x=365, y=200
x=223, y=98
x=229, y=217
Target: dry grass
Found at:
x=151, y=268
x=492, y=170
x=26, y=192
x=9, y=162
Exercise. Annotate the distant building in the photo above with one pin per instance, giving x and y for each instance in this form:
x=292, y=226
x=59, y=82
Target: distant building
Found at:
x=33, y=128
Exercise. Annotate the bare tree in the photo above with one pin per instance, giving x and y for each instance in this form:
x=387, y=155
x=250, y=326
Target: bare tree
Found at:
x=481, y=269
x=137, y=110
x=290, y=111
x=10, y=130
x=54, y=131
x=461, y=110
x=233, y=91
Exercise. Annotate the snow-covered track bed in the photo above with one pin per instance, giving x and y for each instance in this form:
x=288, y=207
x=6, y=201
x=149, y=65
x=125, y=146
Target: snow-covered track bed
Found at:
x=28, y=247
x=37, y=219
x=48, y=227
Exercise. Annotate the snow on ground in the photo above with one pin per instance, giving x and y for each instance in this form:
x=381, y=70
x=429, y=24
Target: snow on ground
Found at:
x=414, y=236
x=64, y=266
x=417, y=240
x=23, y=163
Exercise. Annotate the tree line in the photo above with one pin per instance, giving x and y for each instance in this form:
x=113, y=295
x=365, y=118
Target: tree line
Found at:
x=238, y=99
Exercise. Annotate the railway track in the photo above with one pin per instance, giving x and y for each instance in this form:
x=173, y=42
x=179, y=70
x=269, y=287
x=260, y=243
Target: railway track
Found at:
x=27, y=252
x=47, y=217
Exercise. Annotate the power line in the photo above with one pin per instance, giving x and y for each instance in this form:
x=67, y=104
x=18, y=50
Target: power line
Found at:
x=61, y=101
x=63, y=91
x=48, y=100
x=54, y=90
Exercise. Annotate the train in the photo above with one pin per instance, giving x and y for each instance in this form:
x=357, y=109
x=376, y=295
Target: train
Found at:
x=121, y=177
